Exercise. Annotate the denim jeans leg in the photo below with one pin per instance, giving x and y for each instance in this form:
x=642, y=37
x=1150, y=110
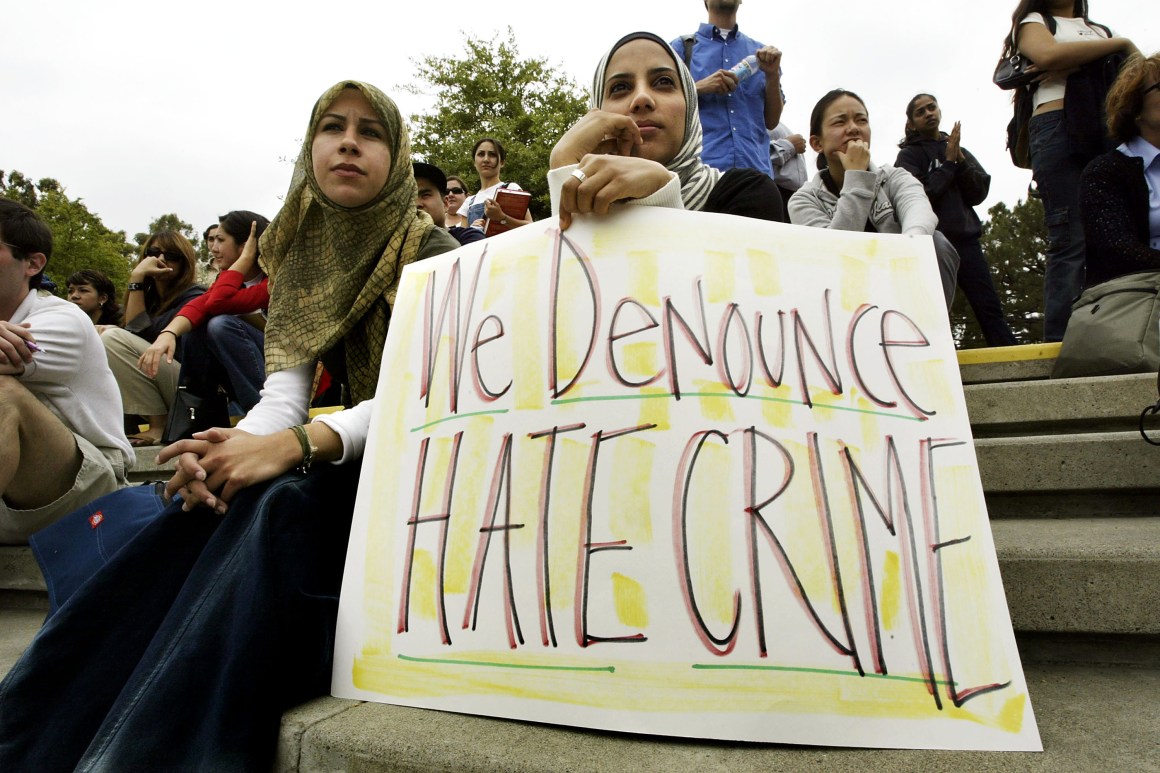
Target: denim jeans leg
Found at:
x=250, y=634
x=976, y=283
x=200, y=373
x=1056, y=171
x=57, y=695
x=237, y=347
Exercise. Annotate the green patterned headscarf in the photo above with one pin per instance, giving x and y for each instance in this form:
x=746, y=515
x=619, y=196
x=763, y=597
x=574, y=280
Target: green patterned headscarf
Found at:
x=334, y=270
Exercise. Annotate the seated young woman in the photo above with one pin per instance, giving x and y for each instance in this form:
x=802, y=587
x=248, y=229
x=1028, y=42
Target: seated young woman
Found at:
x=851, y=193
x=1120, y=190
x=185, y=650
x=96, y=295
x=221, y=331
x=642, y=141
x=161, y=283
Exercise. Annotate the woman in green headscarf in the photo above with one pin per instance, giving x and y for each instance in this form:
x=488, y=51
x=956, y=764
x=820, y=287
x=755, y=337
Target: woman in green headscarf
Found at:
x=333, y=254
x=188, y=645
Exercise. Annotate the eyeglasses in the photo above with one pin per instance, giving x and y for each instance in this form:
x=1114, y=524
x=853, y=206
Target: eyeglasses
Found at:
x=456, y=191
x=1153, y=87
x=10, y=246
x=168, y=257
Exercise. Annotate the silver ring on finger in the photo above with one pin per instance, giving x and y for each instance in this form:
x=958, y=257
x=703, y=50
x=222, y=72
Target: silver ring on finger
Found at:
x=579, y=175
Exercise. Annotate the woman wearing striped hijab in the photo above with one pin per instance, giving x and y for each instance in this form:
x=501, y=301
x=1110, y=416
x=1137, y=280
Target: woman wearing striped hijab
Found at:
x=641, y=142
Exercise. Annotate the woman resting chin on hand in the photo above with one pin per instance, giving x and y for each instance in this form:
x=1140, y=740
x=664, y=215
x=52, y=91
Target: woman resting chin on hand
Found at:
x=641, y=143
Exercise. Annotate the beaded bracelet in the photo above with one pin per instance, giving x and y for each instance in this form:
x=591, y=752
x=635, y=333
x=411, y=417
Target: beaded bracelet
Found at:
x=307, y=448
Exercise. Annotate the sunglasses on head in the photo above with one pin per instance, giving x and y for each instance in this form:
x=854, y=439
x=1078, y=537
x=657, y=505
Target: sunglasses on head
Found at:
x=168, y=257
x=456, y=191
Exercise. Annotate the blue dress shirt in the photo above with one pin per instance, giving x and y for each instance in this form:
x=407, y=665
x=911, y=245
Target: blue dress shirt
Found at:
x=734, y=124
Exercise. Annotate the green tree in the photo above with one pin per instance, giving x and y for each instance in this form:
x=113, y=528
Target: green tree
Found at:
x=1015, y=244
x=170, y=222
x=80, y=239
x=18, y=188
x=484, y=89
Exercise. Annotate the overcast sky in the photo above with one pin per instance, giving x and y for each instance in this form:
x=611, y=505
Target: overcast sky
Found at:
x=144, y=108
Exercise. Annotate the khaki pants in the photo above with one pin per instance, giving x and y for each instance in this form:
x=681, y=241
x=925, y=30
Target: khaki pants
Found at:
x=140, y=394
x=101, y=472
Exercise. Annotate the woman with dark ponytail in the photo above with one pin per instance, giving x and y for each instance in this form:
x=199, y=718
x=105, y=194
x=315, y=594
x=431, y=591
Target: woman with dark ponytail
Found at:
x=1058, y=37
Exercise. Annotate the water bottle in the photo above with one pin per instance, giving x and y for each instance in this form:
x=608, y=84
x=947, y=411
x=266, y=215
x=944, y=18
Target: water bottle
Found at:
x=745, y=67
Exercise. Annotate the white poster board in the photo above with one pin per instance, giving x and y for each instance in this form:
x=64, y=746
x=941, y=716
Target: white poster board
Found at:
x=682, y=474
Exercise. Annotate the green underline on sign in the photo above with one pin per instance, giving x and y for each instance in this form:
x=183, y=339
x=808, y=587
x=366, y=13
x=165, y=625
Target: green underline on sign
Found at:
x=486, y=664
x=457, y=416
x=826, y=671
x=731, y=396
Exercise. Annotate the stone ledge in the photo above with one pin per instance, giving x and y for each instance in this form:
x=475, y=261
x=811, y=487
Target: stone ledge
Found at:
x=1007, y=363
x=19, y=570
x=1090, y=718
x=1062, y=405
x=1095, y=575
x=1096, y=461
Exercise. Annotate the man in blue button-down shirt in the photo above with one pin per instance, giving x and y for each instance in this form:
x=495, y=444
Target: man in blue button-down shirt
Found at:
x=735, y=116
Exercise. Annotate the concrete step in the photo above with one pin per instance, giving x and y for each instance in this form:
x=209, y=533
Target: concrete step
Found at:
x=1007, y=363
x=1082, y=575
x=19, y=570
x=1058, y=465
x=1089, y=718
x=146, y=469
x=1046, y=504
x=1060, y=406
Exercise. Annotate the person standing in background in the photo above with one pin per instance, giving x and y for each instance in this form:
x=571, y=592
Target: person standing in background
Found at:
x=736, y=114
x=787, y=155
x=955, y=183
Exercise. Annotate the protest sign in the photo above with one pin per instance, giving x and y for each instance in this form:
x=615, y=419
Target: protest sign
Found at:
x=683, y=474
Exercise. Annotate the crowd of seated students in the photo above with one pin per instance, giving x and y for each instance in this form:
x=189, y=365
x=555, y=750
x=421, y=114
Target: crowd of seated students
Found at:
x=220, y=333
x=256, y=593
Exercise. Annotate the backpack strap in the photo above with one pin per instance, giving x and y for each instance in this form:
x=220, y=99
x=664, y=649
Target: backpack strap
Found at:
x=689, y=40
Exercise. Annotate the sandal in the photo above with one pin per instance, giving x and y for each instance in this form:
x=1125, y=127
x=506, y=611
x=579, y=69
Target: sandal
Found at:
x=143, y=441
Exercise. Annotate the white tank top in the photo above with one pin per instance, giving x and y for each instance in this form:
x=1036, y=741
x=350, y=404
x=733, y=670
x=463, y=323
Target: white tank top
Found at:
x=1067, y=30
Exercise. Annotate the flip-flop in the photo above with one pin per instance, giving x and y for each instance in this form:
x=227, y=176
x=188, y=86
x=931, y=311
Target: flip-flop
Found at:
x=143, y=441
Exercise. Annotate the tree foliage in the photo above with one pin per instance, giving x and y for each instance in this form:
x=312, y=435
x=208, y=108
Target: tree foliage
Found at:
x=484, y=89
x=169, y=222
x=1015, y=244
x=80, y=239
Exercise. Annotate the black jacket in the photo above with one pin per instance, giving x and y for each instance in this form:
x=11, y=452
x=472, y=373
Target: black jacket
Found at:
x=953, y=188
x=746, y=193
x=1113, y=199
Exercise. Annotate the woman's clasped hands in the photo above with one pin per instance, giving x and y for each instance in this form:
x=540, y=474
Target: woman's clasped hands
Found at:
x=214, y=465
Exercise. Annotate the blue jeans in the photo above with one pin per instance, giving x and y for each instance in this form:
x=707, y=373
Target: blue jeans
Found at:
x=183, y=652
x=1056, y=170
x=226, y=351
x=975, y=282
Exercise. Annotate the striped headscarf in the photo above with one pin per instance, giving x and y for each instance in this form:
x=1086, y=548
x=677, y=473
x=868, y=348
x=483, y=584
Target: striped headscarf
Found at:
x=334, y=270
x=697, y=178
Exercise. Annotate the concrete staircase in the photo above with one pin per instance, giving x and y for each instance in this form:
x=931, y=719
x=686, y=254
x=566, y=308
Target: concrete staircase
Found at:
x=1074, y=498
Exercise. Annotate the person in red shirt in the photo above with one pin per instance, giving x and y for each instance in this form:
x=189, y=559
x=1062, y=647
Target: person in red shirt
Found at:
x=220, y=333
